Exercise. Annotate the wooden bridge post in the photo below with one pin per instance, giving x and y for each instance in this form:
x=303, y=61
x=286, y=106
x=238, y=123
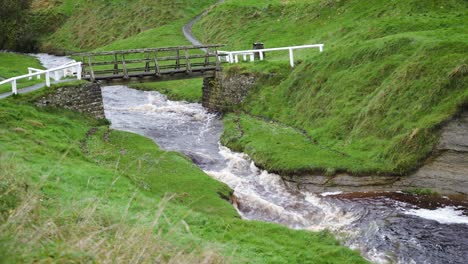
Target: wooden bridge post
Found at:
x=83, y=67
x=178, y=59
x=124, y=67
x=147, y=64
x=157, y=71
x=116, y=65
x=188, y=68
x=207, y=57
x=91, y=69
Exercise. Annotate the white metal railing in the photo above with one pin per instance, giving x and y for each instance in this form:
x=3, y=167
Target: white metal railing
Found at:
x=68, y=69
x=233, y=56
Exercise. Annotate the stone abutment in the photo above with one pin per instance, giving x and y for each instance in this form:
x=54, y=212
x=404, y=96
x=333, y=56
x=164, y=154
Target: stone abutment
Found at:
x=85, y=98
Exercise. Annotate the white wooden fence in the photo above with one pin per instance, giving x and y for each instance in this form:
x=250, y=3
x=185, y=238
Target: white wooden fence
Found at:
x=233, y=56
x=70, y=69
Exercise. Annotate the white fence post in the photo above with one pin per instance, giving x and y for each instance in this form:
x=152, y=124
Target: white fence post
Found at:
x=78, y=72
x=47, y=79
x=13, y=87
x=36, y=72
x=291, y=57
x=233, y=55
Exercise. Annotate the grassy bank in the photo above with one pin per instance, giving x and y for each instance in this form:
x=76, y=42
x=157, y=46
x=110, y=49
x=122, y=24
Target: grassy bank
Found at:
x=185, y=90
x=72, y=190
x=392, y=73
x=12, y=65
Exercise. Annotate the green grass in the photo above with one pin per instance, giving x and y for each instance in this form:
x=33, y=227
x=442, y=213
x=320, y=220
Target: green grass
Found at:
x=72, y=190
x=283, y=149
x=189, y=90
x=12, y=65
x=113, y=25
x=390, y=75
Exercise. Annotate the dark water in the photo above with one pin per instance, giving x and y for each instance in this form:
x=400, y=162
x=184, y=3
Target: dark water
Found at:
x=385, y=227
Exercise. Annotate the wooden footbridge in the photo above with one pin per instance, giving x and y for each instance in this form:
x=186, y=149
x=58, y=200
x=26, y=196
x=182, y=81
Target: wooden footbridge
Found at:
x=153, y=64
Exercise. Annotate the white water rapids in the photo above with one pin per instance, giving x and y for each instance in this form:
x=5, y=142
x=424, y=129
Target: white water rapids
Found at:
x=383, y=229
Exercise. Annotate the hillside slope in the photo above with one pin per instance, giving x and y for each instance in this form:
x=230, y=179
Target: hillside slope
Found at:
x=391, y=74
x=88, y=25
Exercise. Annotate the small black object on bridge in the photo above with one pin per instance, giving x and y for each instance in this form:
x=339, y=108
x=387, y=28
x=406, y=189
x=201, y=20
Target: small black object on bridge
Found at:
x=151, y=64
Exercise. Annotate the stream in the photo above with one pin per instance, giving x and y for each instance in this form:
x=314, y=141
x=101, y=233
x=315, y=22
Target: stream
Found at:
x=384, y=227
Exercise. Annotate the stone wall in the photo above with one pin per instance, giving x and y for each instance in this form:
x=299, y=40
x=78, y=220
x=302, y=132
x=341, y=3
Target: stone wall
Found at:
x=223, y=92
x=85, y=98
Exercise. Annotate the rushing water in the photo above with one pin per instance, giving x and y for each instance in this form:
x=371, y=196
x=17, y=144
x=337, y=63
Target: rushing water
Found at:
x=51, y=61
x=387, y=228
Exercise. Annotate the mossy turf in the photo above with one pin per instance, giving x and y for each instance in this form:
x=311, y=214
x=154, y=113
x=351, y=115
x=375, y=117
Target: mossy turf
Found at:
x=189, y=90
x=13, y=64
x=77, y=164
x=283, y=149
x=391, y=74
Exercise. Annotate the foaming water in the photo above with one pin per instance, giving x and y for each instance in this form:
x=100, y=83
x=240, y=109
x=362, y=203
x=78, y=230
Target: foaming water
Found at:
x=263, y=196
x=444, y=215
x=384, y=229
x=51, y=61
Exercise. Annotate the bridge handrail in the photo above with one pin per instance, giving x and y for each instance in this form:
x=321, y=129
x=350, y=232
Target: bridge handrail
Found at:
x=146, y=50
x=232, y=56
x=37, y=72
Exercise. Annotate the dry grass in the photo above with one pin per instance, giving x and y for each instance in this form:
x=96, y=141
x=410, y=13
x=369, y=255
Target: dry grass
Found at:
x=40, y=230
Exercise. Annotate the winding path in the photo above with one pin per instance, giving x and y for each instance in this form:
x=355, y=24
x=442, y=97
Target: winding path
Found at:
x=187, y=29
